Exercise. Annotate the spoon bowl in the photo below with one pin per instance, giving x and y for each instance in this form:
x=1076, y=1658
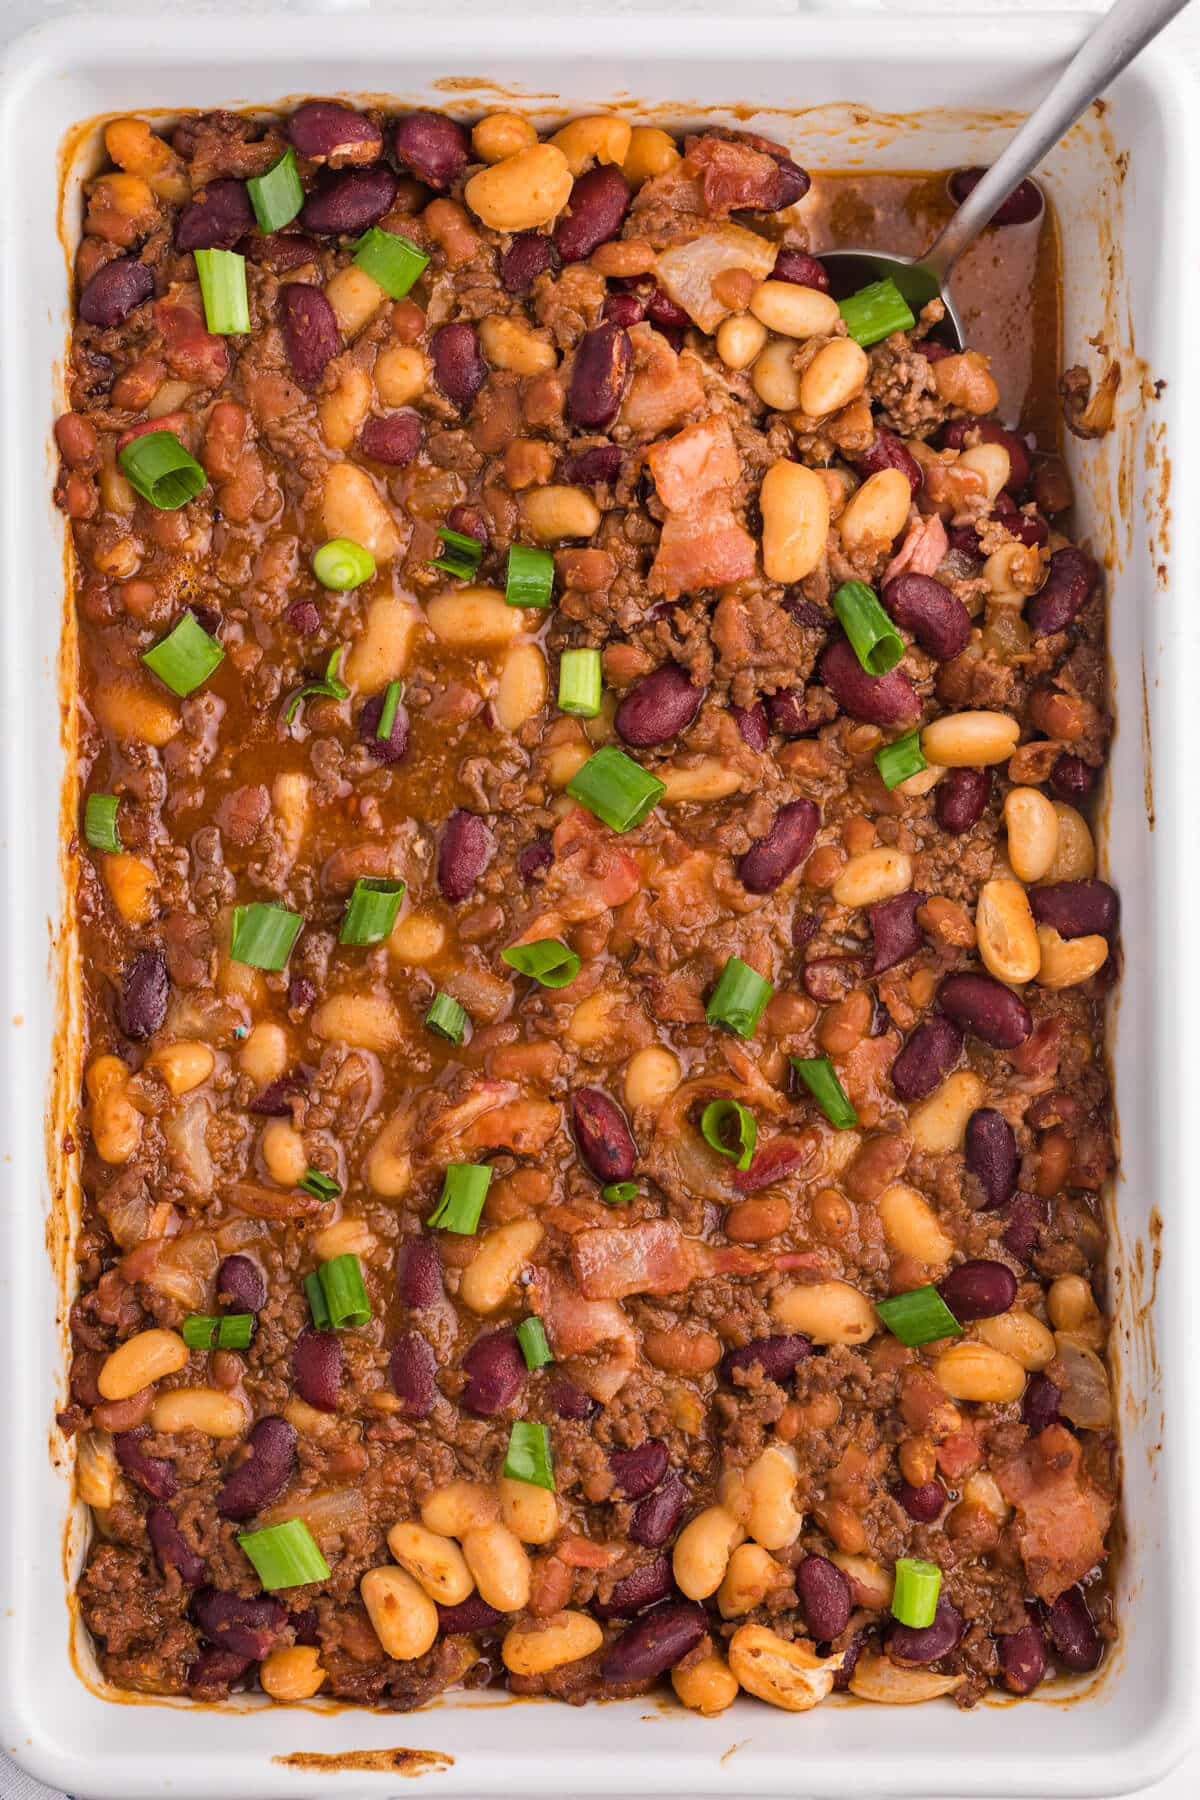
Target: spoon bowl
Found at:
x=918, y=281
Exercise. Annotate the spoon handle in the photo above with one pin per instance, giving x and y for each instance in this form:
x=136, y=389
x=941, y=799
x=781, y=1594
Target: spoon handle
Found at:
x=1109, y=48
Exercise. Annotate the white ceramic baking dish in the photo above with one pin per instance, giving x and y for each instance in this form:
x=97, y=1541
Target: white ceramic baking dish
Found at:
x=885, y=92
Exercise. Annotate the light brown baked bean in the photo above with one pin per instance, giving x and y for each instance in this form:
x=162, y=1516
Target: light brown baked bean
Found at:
x=355, y=298
x=206, y=1410
x=795, y=519
x=522, y=191
x=598, y=138
x=875, y=514
x=772, y=1517
x=754, y=1221
x=132, y=885
x=556, y=513
x=1006, y=933
x=401, y=372
x=739, y=340
x=530, y=1512
x=511, y=344
x=782, y=1673
x=829, y=1312
x=700, y=779
x=291, y=1672
x=846, y=1023
x=939, y=1124
x=115, y=1123
x=1070, y=1303
x=749, y=1578
x=1068, y=961
x=683, y=1350
x=133, y=146
x=836, y=375
x=991, y=462
x=417, y=938
x=501, y=134
x=773, y=375
x=404, y=1617
x=651, y=152
x=352, y=508
x=650, y=1075
x=706, y=1687
x=488, y=1280
x=910, y=1226
x=970, y=1371
x=141, y=1361
x=1020, y=1336
x=794, y=311
x=436, y=1562
x=500, y=1565
x=134, y=713
x=534, y=1647
x=1032, y=827
x=458, y=1507
x=346, y=1237
x=872, y=876
x=702, y=1551
x=97, y=1473
x=1012, y=573
x=1075, y=854
x=965, y=380
x=970, y=740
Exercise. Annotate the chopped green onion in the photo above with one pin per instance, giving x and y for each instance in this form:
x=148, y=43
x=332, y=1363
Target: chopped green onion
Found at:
x=725, y=1119
x=616, y=789
x=263, y=935
x=461, y=556
x=447, y=1018
x=530, y=577
x=317, y=1306
x=873, y=638
x=875, y=312
x=619, y=1193
x=528, y=1457
x=331, y=686
x=548, y=961
x=278, y=195
x=319, y=1185
x=393, y=261
x=223, y=289
x=464, y=1190
x=157, y=467
x=372, y=910
x=919, y=1317
x=817, y=1074
x=100, y=822
x=915, y=1595
x=531, y=1335
x=186, y=657
x=579, y=683
x=345, y=1292
x=387, y=718
x=284, y=1556
x=739, y=998
x=231, y=1331
x=900, y=759
x=341, y=564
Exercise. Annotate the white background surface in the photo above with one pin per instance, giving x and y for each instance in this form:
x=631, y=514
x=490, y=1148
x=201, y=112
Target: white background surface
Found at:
x=18, y=15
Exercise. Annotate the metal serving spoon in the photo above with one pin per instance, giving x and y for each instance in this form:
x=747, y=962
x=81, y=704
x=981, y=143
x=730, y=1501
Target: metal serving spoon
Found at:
x=1107, y=50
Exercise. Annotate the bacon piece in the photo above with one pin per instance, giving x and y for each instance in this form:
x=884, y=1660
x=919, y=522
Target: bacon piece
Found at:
x=772, y=1161
x=656, y=1258
x=272, y=1203
x=595, y=1329
x=735, y=175
x=524, y=1126
x=923, y=551
x=483, y=1098
x=665, y=387
x=960, y=1454
x=702, y=544
x=696, y=461
x=581, y=1553
x=192, y=352
x=1062, y=1517
x=590, y=872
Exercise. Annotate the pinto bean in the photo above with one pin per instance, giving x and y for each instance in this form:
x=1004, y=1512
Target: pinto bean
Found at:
x=529, y=255
x=652, y=1582
x=260, y=1480
x=771, y=859
x=419, y=1273
x=310, y=331
x=656, y=1519
x=603, y=1135
x=394, y=439
x=887, y=452
x=889, y=699
x=413, y=1370
x=349, y=201
x=895, y=930
x=433, y=148
x=960, y=797
x=991, y=1154
x=1073, y=1633
x=985, y=1007
x=1076, y=908
x=655, y=1642
x=638, y=1472
x=144, y=995
x=824, y=1594
x=927, y=1058
x=1068, y=586
x=241, y=1284
x=317, y=1368
x=325, y=132
x=463, y=854
x=114, y=290
x=978, y=1289
x=155, y=1475
x=495, y=1371
x=600, y=372
x=921, y=1645
x=800, y=267
x=171, y=1548
x=937, y=619
x=778, y=1357
x=598, y=204
x=458, y=364
x=248, y=1627
x=219, y=215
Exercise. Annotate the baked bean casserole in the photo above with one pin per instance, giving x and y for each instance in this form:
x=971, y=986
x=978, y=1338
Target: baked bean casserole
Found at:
x=595, y=1112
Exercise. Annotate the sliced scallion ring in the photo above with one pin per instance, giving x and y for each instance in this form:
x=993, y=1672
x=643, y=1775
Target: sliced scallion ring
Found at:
x=100, y=822
x=464, y=1190
x=186, y=657
x=157, y=467
x=263, y=935
x=372, y=910
x=739, y=998
x=731, y=1130
x=278, y=195
x=395, y=262
x=223, y=289
x=284, y=1556
x=548, y=961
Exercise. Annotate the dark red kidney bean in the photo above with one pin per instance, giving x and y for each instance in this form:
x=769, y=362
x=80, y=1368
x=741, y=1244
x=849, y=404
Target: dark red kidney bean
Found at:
x=600, y=462
x=253, y=1484
x=1073, y=1633
x=594, y=213
x=568, y=1401
x=324, y=131
x=171, y=1548
x=655, y=1520
x=304, y=617
x=986, y=1008
x=830, y=978
x=458, y=366
x=913, y=1644
x=394, y=439
x=771, y=859
x=1072, y=779
x=603, y=1135
x=280, y=250
x=433, y=148
x=987, y=431
x=1020, y=207
x=789, y=184
x=471, y=520
x=273, y=1101
x=807, y=612
x=306, y=1627
x=978, y=1289
x=535, y=860
x=528, y=256
x=924, y=1504
x=413, y=1369
x=349, y=201
x=886, y=451
x=655, y=1642
x=214, y=1669
x=495, y=1371
x=1026, y=1214
x=777, y=1357
x=472, y=1614
x=824, y=1593
x=933, y=351
x=895, y=931
x=991, y=1154
x=1040, y=1403
x=1022, y=1656
x=114, y=290
x=419, y=1273
x=599, y=377
x=219, y=215
x=144, y=995
x=751, y=722
x=153, y=1474
x=248, y=1627
x=960, y=797
x=889, y=699
x=241, y=1284
x=623, y=309
x=658, y=707
x=1069, y=582
x=392, y=748
x=638, y=1472
x=662, y=311
x=788, y=715
x=937, y=618
x=311, y=334
x=317, y=1368
x=801, y=268
x=1076, y=908
x=963, y=541
x=927, y=1058
x=650, y=1583
x=1029, y=529
x=463, y=854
